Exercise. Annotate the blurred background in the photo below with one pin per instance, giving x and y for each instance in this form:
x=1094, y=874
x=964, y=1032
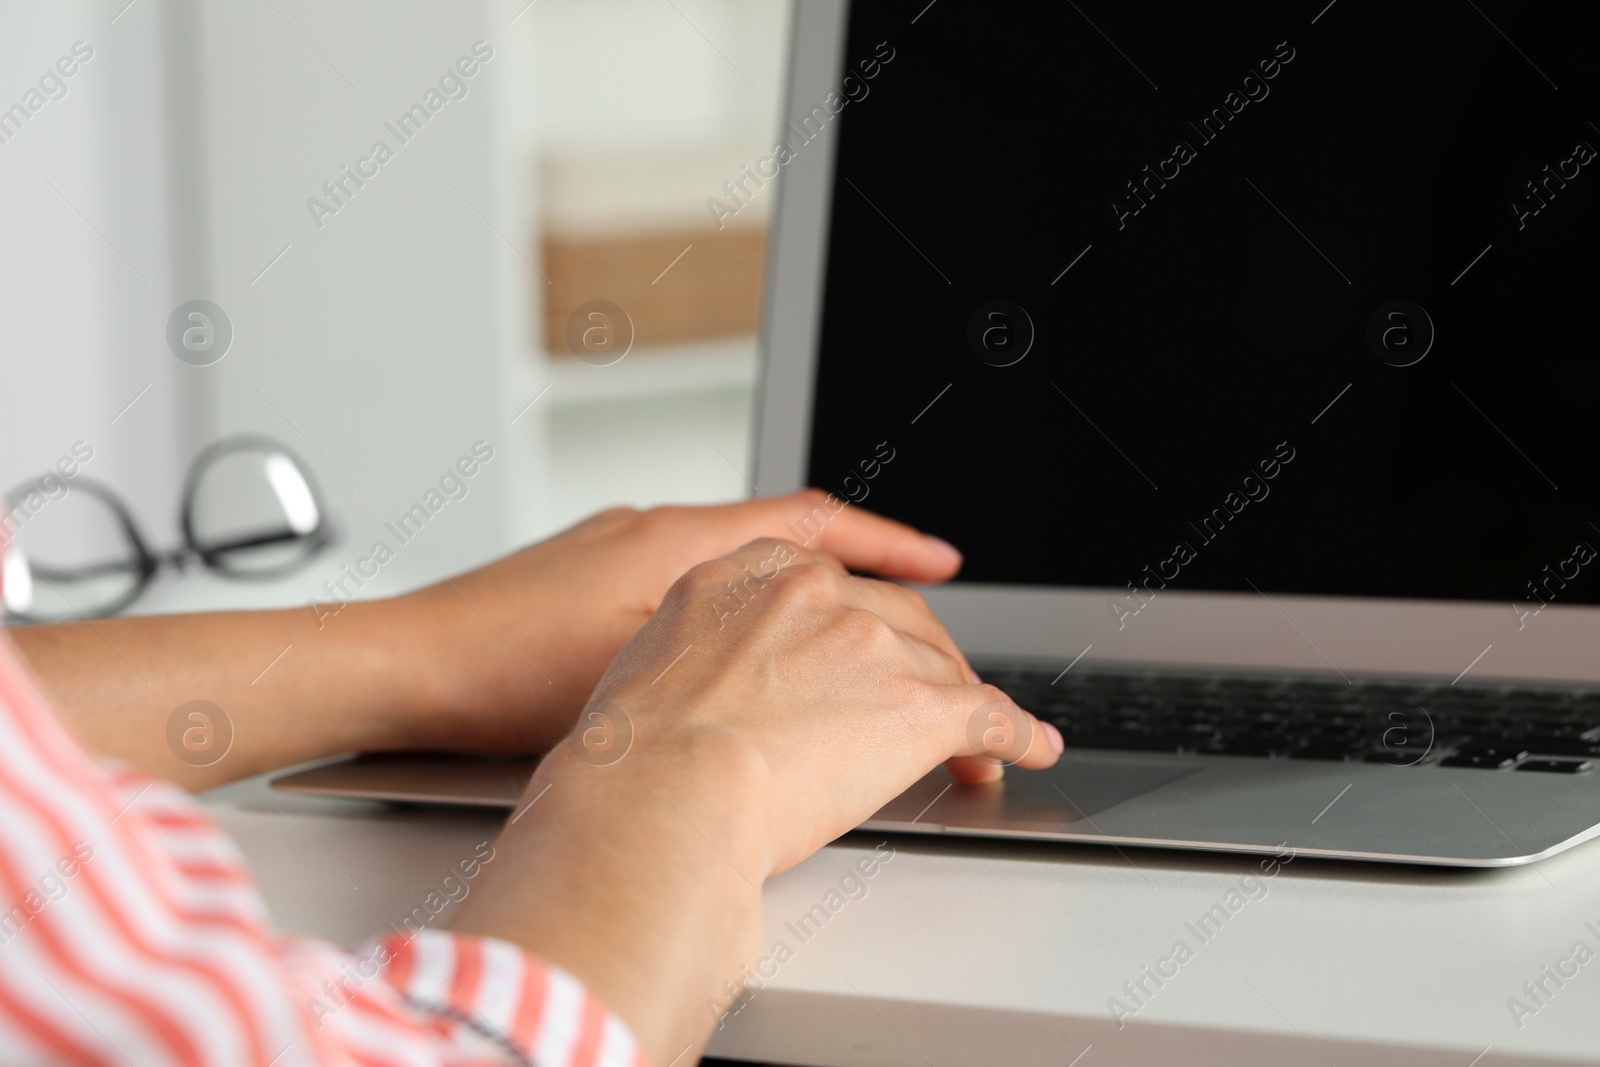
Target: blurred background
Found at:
x=390, y=310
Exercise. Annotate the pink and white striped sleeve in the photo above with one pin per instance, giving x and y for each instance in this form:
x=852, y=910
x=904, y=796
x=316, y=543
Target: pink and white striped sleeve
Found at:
x=131, y=933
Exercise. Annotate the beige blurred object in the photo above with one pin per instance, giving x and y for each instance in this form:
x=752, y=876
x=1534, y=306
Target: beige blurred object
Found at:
x=636, y=229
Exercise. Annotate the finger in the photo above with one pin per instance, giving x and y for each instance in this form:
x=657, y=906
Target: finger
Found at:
x=864, y=541
x=991, y=725
x=907, y=611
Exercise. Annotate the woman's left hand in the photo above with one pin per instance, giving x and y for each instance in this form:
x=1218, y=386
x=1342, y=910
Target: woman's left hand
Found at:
x=527, y=637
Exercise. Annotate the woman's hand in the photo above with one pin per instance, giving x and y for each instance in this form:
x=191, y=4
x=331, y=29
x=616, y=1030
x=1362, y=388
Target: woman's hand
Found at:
x=838, y=691
x=737, y=734
x=526, y=638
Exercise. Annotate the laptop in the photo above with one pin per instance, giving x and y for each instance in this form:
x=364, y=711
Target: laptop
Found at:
x=1246, y=352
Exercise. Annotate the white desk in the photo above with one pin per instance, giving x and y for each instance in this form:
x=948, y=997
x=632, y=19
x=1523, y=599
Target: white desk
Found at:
x=994, y=953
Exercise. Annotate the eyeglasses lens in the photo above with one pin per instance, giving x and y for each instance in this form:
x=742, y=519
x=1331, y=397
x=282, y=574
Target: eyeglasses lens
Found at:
x=253, y=512
x=70, y=555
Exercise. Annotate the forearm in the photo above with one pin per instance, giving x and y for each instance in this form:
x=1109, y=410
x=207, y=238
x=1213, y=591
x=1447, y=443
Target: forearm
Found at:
x=634, y=885
x=290, y=691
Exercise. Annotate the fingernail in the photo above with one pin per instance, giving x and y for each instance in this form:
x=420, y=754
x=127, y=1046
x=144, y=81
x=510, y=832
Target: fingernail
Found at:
x=972, y=676
x=943, y=547
x=1054, y=735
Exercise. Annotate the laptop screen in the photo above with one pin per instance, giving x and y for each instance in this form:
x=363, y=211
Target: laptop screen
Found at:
x=1229, y=297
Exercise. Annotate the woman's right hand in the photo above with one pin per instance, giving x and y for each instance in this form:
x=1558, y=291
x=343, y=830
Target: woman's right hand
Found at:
x=835, y=693
x=771, y=704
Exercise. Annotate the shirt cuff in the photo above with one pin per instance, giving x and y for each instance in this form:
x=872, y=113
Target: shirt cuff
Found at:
x=534, y=1008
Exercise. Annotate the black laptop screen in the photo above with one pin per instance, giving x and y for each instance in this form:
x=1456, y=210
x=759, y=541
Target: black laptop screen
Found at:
x=1220, y=297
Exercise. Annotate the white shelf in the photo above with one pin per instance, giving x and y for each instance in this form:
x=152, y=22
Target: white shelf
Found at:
x=701, y=367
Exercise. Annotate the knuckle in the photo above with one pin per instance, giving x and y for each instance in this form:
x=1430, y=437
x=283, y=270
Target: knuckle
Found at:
x=914, y=713
x=664, y=516
x=610, y=520
x=808, y=583
x=868, y=631
x=711, y=574
x=775, y=549
x=910, y=694
x=993, y=694
x=916, y=600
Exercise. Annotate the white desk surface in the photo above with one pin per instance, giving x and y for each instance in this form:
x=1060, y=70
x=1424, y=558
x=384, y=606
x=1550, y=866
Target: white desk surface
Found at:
x=969, y=952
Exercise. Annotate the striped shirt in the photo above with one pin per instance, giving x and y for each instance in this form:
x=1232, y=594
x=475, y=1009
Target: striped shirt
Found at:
x=131, y=933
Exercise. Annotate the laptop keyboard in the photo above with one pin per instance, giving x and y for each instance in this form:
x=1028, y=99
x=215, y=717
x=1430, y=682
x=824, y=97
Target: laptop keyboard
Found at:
x=1546, y=731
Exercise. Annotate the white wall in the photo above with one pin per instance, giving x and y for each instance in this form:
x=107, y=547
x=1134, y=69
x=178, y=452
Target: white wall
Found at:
x=373, y=346
x=87, y=272
x=643, y=74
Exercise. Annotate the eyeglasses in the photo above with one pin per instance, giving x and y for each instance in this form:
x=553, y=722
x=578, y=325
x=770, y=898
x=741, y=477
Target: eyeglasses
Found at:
x=250, y=511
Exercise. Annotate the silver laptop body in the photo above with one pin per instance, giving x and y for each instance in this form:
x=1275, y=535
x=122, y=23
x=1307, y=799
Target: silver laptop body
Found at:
x=1391, y=810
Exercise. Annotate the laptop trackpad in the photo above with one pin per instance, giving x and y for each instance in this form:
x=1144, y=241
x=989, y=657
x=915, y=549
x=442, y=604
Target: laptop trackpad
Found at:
x=1065, y=797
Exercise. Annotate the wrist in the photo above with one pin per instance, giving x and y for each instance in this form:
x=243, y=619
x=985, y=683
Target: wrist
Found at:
x=387, y=660
x=480, y=683
x=648, y=889
x=710, y=782
x=436, y=676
